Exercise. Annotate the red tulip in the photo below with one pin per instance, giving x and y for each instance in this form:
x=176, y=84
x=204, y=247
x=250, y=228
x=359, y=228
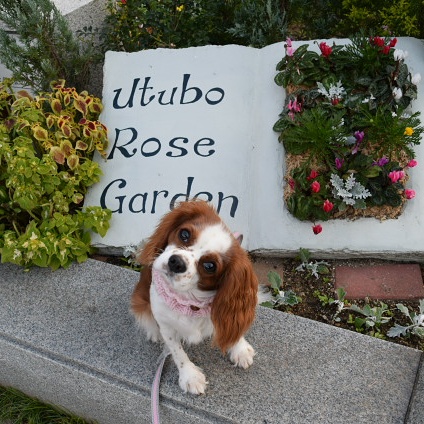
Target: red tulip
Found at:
x=317, y=229
x=315, y=187
x=328, y=206
x=326, y=50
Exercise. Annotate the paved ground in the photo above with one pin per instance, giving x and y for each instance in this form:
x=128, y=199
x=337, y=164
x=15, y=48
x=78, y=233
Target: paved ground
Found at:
x=388, y=281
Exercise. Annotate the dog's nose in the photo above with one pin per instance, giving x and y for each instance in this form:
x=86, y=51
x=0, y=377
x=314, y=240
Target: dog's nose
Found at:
x=176, y=264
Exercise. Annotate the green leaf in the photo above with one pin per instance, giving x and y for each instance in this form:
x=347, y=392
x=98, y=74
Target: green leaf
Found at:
x=280, y=125
x=304, y=255
x=422, y=306
x=403, y=309
x=267, y=304
x=341, y=294
x=419, y=331
x=289, y=298
x=275, y=280
x=26, y=203
x=356, y=308
x=360, y=204
x=323, y=269
x=281, y=79
x=359, y=323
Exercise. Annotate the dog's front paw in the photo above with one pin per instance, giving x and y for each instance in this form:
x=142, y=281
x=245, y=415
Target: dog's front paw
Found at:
x=242, y=353
x=192, y=379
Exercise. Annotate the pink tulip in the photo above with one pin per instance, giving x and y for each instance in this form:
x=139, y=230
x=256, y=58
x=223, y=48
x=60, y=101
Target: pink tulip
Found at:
x=395, y=176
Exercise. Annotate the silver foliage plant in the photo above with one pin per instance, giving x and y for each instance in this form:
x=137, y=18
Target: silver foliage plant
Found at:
x=417, y=322
x=352, y=192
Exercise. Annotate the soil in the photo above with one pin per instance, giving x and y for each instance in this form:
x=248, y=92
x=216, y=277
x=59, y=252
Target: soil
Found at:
x=306, y=286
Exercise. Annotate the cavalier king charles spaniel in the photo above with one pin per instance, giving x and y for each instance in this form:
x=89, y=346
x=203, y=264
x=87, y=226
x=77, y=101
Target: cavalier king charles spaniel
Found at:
x=196, y=282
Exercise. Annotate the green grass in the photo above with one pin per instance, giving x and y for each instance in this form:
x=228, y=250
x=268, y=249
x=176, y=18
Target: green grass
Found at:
x=18, y=408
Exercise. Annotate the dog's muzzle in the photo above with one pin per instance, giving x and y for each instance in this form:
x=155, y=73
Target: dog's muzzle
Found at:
x=176, y=264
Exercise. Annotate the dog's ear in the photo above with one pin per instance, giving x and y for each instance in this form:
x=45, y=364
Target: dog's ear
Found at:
x=157, y=241
x=238, y=237
x=234, y=305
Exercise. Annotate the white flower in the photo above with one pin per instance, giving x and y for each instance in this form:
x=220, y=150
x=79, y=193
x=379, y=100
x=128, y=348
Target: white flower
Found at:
x=367, y=100
x=400, y=54
x=397, y=93
x=416, y=79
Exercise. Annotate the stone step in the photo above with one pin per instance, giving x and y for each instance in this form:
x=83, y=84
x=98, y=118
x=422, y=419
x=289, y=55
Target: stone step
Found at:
x=67, y=337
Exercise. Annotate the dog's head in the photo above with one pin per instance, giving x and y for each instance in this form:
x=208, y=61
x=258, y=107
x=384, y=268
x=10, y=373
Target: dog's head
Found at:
x=198, y=256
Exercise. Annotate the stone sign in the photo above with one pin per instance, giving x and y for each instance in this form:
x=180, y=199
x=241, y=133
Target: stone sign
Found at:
x=197, y=123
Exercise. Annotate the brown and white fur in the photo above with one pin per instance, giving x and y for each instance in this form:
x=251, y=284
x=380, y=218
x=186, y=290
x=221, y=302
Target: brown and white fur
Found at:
x=199, y=259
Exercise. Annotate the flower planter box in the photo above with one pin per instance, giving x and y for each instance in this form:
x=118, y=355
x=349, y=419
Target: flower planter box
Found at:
x=348, y=129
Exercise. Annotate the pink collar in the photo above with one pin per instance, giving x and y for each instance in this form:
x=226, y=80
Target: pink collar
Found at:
x=179, y=303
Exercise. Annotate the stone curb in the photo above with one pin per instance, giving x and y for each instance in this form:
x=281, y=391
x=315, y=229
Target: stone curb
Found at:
x=67, y=338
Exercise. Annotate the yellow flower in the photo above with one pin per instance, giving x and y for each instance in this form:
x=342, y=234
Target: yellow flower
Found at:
x=409, y=131
x=180, y=8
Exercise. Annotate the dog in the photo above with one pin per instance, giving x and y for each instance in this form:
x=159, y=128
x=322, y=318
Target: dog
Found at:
x=196, y=283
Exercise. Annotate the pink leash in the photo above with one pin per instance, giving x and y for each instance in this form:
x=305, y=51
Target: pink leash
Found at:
x=155, y=387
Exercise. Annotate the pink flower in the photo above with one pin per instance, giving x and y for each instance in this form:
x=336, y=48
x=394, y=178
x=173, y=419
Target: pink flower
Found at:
x=395, y=176
x=327, y=206
x=289, y=48
x=315, y=187
x=294, y=106
x=292, y=183
x=412, y=163
x=339, y=163
x=326, y=50
x=317, y=228
x=290, y=51
x=359, y=135
x=381, y=162
x=410, y=194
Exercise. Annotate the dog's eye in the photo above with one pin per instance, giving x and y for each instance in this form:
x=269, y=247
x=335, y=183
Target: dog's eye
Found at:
x=184, y=235
x=209, y=267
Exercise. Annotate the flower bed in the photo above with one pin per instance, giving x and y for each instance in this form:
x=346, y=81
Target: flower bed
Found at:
x=348, y=130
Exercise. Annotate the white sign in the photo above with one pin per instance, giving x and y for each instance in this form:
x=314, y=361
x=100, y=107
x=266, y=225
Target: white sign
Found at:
x=197, y=123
